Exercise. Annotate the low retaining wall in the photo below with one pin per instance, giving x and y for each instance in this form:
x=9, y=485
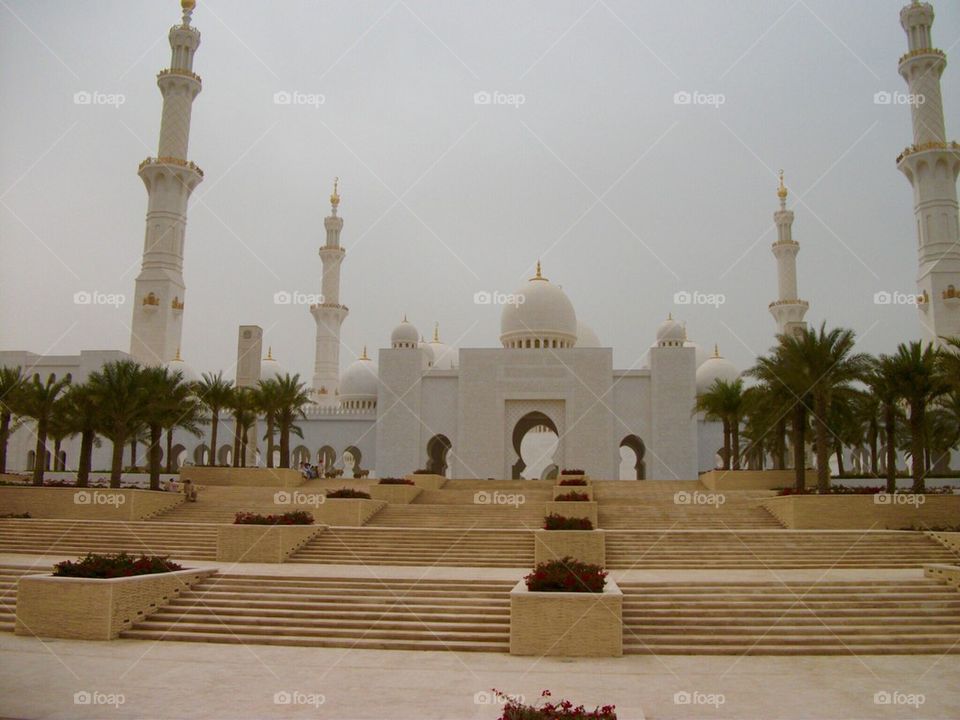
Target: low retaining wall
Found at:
x=564, y=489
x=560, y=624
x=427, y=482
x=86, y=503
x=262, y=543
x=242, y=477
x=950, y=540
x=753, y=479
x=90, y=609
x=864, y=512
x=950, y=574
x=395, y=494
x=347, y=512
x=573, y=510
x=587, y=546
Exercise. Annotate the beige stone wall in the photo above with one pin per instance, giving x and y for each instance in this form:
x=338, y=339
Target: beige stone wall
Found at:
x=564, y=489
x=587, y=546
x=395, y=494
x=753, y=479
x=86, y=503
x=262, y=543
x=566, y=624
x=573, y=510
x=347, y=512
x=862, y=512
x=88, y=609
x=950, y=540
x=427, y=482
x=243, y=477
x=950, y=574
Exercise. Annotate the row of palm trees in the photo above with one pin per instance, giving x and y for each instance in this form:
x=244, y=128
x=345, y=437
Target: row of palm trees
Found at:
x=127, y=403
x=813, y=387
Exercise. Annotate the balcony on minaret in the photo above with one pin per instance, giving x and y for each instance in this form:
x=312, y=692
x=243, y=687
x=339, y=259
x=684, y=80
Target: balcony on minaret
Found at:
x=951, y=296
x=177, y=305
x=923, y=300
x=151, y=303
x=176, y=162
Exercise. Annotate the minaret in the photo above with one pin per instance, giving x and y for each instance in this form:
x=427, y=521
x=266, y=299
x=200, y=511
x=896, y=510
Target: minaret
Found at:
x=170, y=179
x=329, y=314
x=788, y=310
x=931, y=165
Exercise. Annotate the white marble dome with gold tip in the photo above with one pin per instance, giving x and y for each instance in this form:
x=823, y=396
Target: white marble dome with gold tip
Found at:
x=359, y=382
x=716, y=367
x=543, y=316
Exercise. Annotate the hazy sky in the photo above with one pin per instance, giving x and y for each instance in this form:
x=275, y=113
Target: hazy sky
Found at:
x=626, y=196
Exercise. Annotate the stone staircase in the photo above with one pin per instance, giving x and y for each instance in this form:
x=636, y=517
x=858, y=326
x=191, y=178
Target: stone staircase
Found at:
x=427, y=547
x=779, y=549
x=9, y=575
x=791, y=618
x=470, y=615
x=78, y=537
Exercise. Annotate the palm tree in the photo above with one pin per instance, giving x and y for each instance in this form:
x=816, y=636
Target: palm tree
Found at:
x=244, y=409
x=215, y=394
x=950, y=360
x=915, y=373
x=185, y=412
x=167, y=392
x=880, y=386
x=38, y=401
x=268, y=402
x=292, y=398
x=11, y=383
x=121, y=396
x=81, y=415
x=724, y=401
x=766, y=426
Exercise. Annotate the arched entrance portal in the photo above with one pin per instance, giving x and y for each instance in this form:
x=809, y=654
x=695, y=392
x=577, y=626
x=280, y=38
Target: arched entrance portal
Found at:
x=351, y=461
x=632, y=463
x=535, y=441
x=326, y=458
x=437, y=449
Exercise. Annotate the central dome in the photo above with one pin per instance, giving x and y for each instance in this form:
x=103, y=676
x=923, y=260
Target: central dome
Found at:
x=539, y=316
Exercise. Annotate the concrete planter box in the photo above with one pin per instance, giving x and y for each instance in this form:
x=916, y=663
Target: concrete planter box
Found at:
x=564, y=489
x=427, y=482
x=91, y=609
x=561, y=478
x=753, y=479
x=950, y=574
x=587, y=546
x=395, y=494
x=86, y=503
x=347, y=512
x=242, y=477
x=262, y=543
x=864, y=512
x=560, y=624
x=574, y=510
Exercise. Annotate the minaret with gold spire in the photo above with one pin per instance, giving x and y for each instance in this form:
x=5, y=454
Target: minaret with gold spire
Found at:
x=170, y=179
x=329, y=314
x=932, y=165
x=788, y=309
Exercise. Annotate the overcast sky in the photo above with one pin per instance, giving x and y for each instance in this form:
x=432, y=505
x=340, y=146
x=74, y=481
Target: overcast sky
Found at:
x=625, y=195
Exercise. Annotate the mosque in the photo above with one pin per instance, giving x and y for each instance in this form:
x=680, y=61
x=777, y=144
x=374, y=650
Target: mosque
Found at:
x=549, y=397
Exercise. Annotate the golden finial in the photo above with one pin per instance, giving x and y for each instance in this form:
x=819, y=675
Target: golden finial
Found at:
x=364, y=356
x=405, y=317
x=269, y=353
x=335, y=197
x=670, y=316
x=177, y=356
x=782, y=190
x=188, y=4
x=539, y=275
x=436, y=332
x=716, y=351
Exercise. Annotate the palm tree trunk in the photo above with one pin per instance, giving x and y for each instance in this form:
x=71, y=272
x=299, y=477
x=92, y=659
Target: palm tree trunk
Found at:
x=823, y=443
x=799, y=447
x=57, y=465
x=873, y=432
x=156, y=437
x=116, y=463
x=133, y=453
x=780, y=449
x=244, y=442
x=270, y=440
x=735, y=432
x=86, y=457
x=284, y=445
x=838, y=451
x=41, y=452
x=169, y=463
x=890, y=432
x=214, y=426
x=236, y=444
x=726, y=444
x=4, y=437
x=917, y=419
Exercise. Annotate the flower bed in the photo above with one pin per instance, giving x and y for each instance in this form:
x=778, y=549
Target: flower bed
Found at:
x=573, y=481
x=559, y=522
x=16, y=516
x=576, y=509
x=566, y=575
x=349, y=493
x=566, y=471
x=572, y=497
x=114, y=566
x=396, y=481
x=514, y=709
x=295, y=517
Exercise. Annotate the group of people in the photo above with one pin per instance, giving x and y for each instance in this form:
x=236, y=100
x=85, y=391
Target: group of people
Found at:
x=187, y=487
x=310, y=472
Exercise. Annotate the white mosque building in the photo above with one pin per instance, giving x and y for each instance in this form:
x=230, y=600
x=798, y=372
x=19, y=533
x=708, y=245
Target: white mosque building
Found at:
x=549, y=397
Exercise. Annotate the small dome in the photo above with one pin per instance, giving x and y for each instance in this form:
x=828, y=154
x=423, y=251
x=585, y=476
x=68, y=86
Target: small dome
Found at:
x=404, y=335
x=586, y=337
x=189, y=374
x=270, y=369
x=359, y=381
x=443, y=356
x=714, y=368
x=671, y=333
x=542, y=315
